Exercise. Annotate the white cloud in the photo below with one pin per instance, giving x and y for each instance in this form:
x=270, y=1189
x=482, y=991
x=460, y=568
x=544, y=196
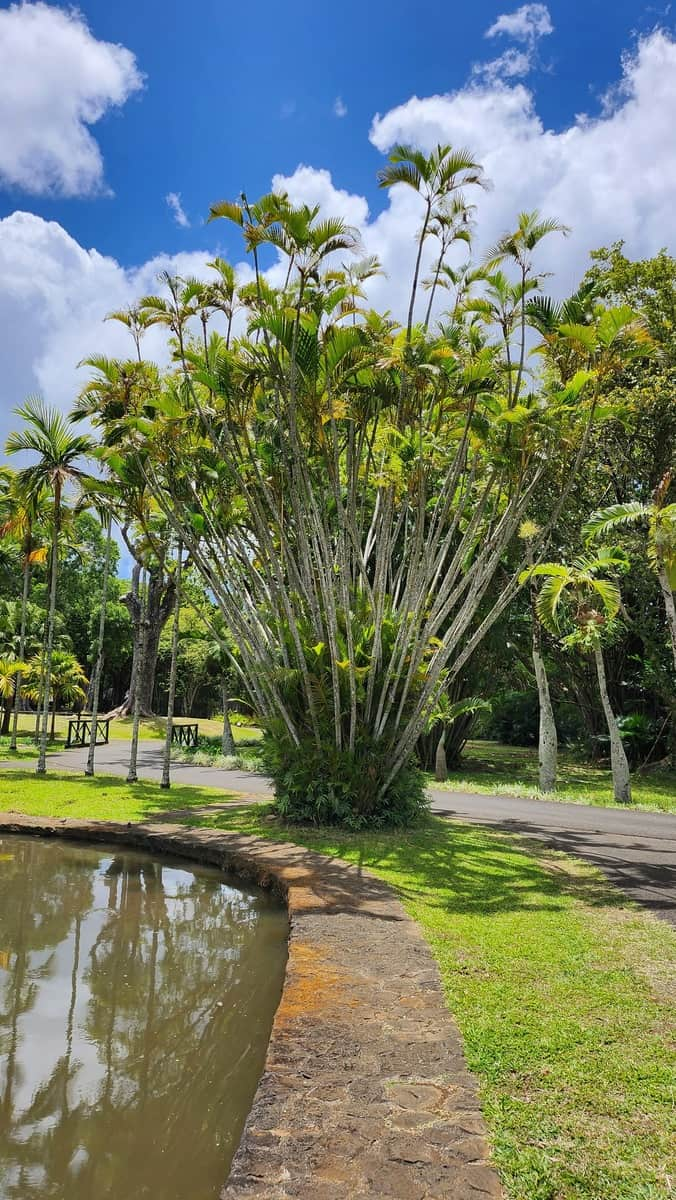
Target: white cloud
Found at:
x=173, y=201
x=339, y=107
x=528, y=22
x=526, y=25
x=56, y=79
x=609, y=177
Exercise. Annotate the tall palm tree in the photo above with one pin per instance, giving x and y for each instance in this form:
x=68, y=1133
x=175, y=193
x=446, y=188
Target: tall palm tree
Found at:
x=23, y=515
x=48, y=434
x=450, y=224
x=67, y=681
x=592, y=604
x=548, y=741
x=435, y=177
x=106, y=515
x=166, y=764
x=517, y=247
x=661, y=546
x=10, y=670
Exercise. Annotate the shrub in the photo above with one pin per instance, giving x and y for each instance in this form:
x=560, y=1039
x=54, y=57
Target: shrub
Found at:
x=327, y=786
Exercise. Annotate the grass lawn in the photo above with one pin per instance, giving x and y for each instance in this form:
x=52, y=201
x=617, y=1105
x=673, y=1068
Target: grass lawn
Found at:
x=513, y=770
x=562, y=990
x=120, y=730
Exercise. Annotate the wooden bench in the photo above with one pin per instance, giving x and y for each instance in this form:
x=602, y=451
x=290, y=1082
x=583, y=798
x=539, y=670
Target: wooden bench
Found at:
x=184, y=735
x=80, y=732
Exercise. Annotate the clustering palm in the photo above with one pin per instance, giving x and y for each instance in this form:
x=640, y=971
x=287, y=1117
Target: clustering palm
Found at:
x=67, y=682
x=582, y=597
x=59, y=450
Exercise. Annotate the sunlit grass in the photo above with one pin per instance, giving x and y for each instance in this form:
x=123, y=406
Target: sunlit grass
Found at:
x=563, y=991
x=513, y=770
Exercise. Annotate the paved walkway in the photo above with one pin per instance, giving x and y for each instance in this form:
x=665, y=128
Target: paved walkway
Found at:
x=635, y=850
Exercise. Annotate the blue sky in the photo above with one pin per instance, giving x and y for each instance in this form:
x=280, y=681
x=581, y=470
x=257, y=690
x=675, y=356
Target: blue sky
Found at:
x=108, y=110
x=233, y=95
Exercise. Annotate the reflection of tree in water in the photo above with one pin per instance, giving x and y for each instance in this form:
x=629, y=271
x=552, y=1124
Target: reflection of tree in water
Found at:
x=181, y=978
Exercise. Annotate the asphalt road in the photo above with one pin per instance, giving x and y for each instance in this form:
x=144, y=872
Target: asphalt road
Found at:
x=635, y=850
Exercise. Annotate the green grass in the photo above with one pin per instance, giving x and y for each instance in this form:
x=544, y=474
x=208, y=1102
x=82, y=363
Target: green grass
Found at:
x=120, y=730
x=513, y=770
x=563, y=991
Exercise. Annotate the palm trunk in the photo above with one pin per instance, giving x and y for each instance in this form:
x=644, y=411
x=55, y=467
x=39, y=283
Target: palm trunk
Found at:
x=22, y=647
x=166, y=765
x=618, y=757
x=42, y=755
x=547, y=736
x=227, y=739
x=132, y=777
x=98, y=665
x=416, y=273
x=669, y=606
x=440, y=764
x=433, y=289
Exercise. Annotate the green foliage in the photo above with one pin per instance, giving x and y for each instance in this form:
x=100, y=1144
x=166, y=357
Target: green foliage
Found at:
x=327, y=786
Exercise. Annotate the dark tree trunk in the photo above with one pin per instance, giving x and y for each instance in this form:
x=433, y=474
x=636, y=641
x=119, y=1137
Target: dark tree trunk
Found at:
x=160, y=602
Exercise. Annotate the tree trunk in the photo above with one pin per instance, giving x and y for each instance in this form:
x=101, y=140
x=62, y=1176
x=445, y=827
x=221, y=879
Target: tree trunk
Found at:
x=618, y=758
x=22, y=646
x=148, y=620
x=670, y=608
x=440, y=766
x=42, y=755
x=132, y=777
x=6, y=717
x=227, y=739
x=547, y=736
x=98, y=664
x=166, y=764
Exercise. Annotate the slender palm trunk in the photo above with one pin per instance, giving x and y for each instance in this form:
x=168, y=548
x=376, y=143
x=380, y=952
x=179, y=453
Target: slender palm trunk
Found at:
x=22, y=647
x=669, y=606
x=547, y=736
x=98, y=665
x=166, y=764
x=416, y=273
x=132, y=777
x=227, y=739
x=618, y=758
x=42, y=755
x=440, y=763
x=435, y=282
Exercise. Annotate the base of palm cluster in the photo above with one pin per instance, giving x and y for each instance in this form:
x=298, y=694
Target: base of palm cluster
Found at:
x=365, y=1091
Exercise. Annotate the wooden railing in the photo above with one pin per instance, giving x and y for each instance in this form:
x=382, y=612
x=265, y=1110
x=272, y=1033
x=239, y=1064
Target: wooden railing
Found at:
x=80, y=732
x=184, y=735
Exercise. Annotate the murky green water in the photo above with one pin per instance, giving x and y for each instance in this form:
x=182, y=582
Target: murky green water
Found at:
x=136, y=1000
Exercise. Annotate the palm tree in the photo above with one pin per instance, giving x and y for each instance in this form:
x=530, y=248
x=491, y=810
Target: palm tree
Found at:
x=67, y=681
x=47, y=434
x=548, y=742
x=593, y=605
x=107, y=517
x=661, y=546
x=435, y=177
x=517, y=247
x=166, y=764
x=452, y=223
x=22, y=515
x=10, y=672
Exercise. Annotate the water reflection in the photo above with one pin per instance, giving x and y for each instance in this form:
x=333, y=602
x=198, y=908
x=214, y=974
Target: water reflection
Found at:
x=136, y=999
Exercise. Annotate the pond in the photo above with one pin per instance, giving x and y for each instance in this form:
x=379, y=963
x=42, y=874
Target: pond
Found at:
x=136, y=1001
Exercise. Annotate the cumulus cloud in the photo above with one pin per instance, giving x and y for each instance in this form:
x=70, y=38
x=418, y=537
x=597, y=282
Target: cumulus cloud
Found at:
x=339, y=107
x=173, y=201
x=529, y=22
x=608, y=177
x=56, y=80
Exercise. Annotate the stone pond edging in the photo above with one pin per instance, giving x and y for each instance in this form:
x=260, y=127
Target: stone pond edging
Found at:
x=365, y=1091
